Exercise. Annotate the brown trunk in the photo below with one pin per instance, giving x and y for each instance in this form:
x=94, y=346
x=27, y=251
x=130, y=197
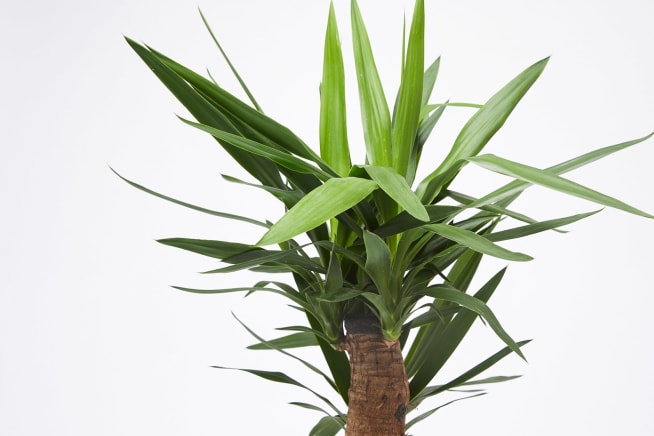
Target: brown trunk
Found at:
x=379, y=389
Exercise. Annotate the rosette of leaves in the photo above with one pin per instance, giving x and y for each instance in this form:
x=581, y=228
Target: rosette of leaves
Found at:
x=364, y=250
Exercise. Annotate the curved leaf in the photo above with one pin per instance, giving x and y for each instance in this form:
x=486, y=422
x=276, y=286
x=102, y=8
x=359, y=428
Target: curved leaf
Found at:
x=550, y=180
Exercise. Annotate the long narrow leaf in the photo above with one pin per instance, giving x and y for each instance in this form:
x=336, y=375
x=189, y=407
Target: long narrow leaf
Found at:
x=333, y=126
x=405, y=124
x=550, y=180
x=482, y=126
x=231, y=66
x=450, y=294
x=513, y=189
x=375, y=116
x=323, y=203
x=192, y=206
x=475, y=242
x=279, y=157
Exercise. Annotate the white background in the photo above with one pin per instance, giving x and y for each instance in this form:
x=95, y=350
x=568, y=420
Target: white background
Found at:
x=94, y=342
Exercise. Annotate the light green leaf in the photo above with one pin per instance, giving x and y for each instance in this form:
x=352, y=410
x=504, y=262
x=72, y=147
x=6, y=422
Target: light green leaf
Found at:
x=405, y=124
x=475, y=242
x=375, y=116
x=481, y=127
x=444, y=292
x=397, y=188
x=550, y=180
x=333, y=126
x=429, y=80
x=513, y=189
x=328, y=200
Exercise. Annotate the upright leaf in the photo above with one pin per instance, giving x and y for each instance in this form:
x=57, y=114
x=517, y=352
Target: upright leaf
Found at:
x=482, y=126
x=333, y=127
x=405, y=125
x=375, y=116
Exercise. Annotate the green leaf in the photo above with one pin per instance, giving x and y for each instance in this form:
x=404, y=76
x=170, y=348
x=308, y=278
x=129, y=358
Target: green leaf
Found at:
x=427, y=414
x=512, y=190
x=437, y=342
x=530, y=229
x=496, y=379
x=458, y=381
x=444, y=292
x=231, y=67
x=237, y=110
x=295, y=340
x=333, y=126
x=375, y=116
x=482, y=126
x=206, y=113
x=397, y=188
x=191, y=206
x=328, y=200
x=550, y=180
x=218, y=249
x=279, y=157
x=475, y=242
x=405, y=124
x=378, y=263
x=327, y=426
x=429, y=80
x=339, y=295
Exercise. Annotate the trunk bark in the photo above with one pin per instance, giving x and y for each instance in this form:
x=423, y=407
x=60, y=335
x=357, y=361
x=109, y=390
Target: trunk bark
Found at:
x=379, y=389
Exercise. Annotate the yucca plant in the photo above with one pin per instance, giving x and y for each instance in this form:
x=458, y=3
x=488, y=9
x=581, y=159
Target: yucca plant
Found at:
x=363, y=251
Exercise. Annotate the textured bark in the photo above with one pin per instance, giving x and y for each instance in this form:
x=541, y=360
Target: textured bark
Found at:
x=379, y=389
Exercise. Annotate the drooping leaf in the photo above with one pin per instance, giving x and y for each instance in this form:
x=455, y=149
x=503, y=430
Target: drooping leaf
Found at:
x=507, y=193
x=458, y=381
x=436, y=345
x=550, y=180
x=330, y=199
x=191, y=206
x=294, y=340
x=452, y=295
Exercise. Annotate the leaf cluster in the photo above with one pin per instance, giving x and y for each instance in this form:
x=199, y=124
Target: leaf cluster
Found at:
x=366, y=238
